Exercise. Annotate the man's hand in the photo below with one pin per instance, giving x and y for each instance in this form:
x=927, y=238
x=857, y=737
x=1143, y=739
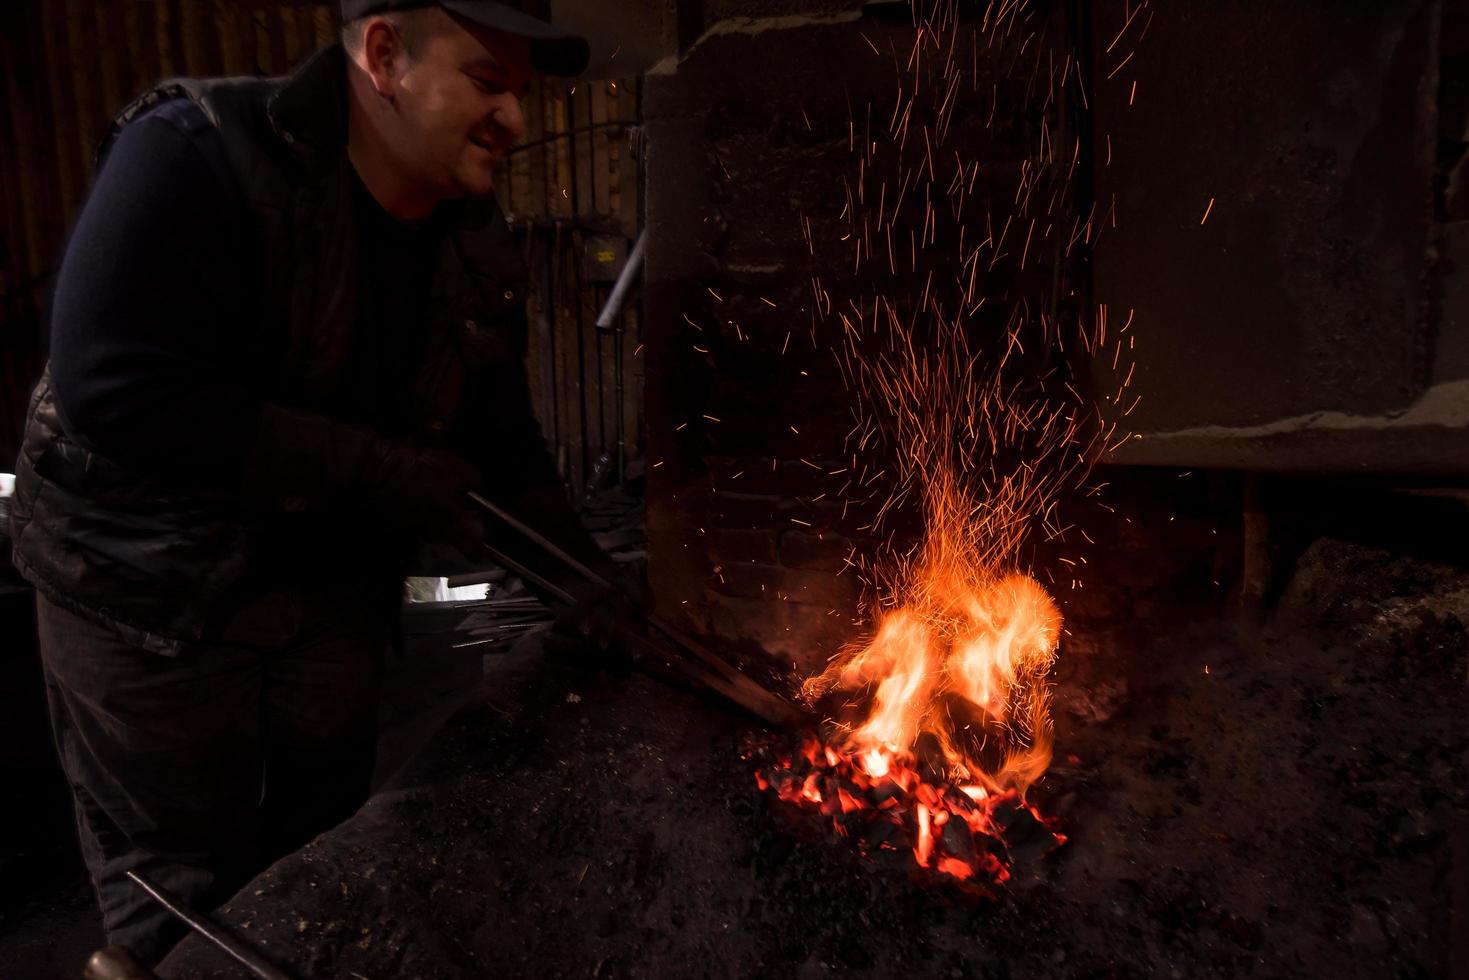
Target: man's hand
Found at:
x=426, y=488
x=302, y=460
x=593, y=631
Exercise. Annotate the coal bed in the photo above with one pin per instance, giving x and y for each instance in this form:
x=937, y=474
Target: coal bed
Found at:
x=1286, y=803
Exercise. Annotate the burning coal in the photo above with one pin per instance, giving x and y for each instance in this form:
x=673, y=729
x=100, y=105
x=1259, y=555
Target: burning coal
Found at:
x=942, y=721
x=969, y=388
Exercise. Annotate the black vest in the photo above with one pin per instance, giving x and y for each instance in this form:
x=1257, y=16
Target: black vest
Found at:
x=151, y=561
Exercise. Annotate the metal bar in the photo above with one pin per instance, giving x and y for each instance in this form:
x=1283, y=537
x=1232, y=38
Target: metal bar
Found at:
x=497, y=639
x=572, y=134
x=618, y=391
x=721, y=685
x=540, y=541
x=581, y=361
x=551, y=294
x=534, y=578
x=237, y=950
x=615, y=300
x=581, y=347
x=611, y=318
x=601, y=383
x=725, y=679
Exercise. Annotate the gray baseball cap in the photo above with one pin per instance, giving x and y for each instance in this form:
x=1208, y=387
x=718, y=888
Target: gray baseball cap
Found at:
x=553, y=50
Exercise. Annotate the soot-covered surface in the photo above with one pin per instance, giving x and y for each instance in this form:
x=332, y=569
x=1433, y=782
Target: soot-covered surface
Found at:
x=1291, y=805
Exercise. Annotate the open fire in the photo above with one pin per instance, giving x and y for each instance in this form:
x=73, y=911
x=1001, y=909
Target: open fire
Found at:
x=941, y=719
x=938, y=722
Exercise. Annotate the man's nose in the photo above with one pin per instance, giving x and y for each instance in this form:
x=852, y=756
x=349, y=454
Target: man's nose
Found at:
x=510, y=117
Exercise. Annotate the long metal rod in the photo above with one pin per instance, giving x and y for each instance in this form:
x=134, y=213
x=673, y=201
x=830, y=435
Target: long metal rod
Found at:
x=552, y=285
x=541, y=542
x=630, y=269
x=581, y=356
x=581, y=346
x=601, y=389
x=246, y=956
x=511, y=565
x=730, y=682
x=612, y=318
x=715, y=682
x=569, y=134
x=619, y=392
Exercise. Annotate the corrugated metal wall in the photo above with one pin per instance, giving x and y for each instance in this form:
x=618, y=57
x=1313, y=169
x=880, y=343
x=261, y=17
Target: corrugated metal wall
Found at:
x=66, y=66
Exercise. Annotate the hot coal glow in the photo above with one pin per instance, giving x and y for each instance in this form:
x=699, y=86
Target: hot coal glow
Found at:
x=882, y=801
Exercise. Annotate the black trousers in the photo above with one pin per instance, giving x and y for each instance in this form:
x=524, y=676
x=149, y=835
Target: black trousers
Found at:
x=198, y=771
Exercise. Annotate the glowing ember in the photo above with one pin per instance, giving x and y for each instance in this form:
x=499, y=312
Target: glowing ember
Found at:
x=961, y=831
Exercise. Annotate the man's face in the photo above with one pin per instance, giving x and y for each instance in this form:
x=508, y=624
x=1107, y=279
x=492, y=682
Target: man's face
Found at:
x=458, y=102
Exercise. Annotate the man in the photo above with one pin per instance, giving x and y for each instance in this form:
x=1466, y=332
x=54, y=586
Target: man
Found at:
x=287, y=339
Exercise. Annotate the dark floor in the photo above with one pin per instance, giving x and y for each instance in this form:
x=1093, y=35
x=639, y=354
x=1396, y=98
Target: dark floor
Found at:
x=1289, y=803
x=1287, y=800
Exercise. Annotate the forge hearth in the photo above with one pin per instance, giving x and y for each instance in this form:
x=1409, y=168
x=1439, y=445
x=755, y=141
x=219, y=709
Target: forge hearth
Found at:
x=1280, y=808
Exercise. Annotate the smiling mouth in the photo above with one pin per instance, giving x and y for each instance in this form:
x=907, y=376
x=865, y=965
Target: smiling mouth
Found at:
x=493, y=149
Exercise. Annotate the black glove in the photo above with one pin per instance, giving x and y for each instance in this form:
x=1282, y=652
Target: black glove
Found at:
x=426, y=488
x=593, y=631
x=300, y=459
x=590, y=630
x=546, y=510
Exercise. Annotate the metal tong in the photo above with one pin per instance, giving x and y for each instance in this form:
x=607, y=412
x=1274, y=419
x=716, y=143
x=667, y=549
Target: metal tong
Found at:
x=707, y=668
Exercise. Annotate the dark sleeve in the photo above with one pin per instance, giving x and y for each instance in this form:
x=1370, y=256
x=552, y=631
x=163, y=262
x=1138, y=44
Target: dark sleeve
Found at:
x=500, y=436
x=497, y=429
x=151, y=305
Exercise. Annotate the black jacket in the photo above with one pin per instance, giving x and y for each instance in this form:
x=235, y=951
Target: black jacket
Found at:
x=153, y=557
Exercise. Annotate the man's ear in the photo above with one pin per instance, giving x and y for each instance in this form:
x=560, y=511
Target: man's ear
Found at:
x=382, y=52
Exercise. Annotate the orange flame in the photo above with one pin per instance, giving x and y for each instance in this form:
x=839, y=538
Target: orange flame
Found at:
x=967, y=635
x=964, y=662
x=969, y=391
